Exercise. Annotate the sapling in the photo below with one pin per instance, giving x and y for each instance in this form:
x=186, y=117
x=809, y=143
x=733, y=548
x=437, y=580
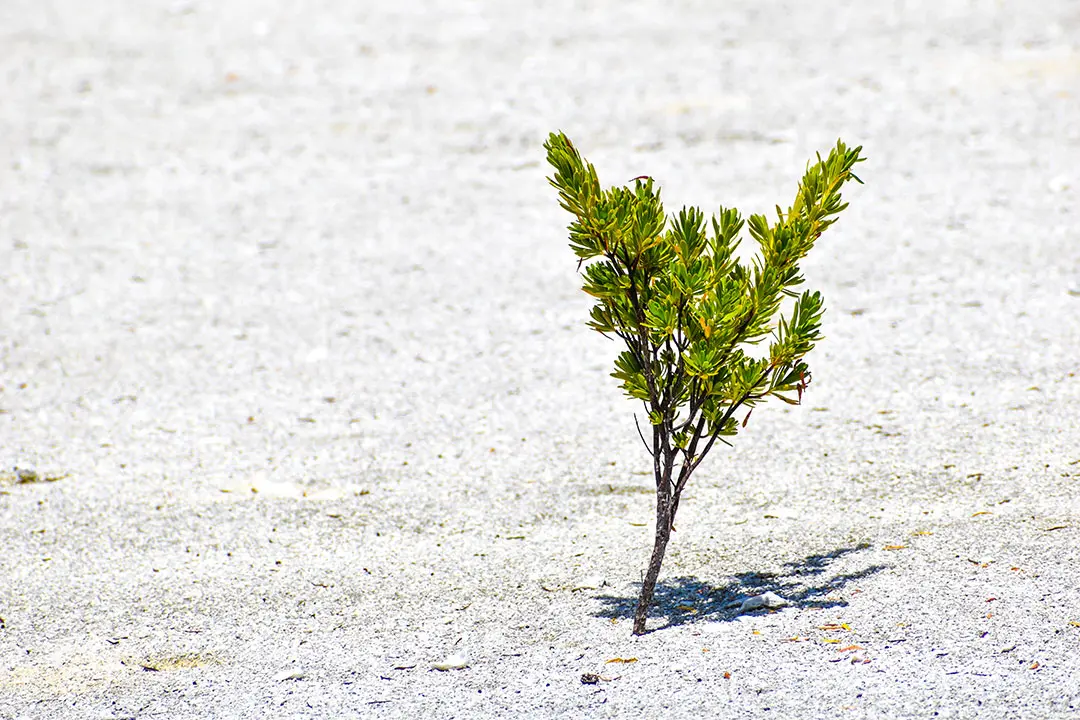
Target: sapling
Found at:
x=688, y=311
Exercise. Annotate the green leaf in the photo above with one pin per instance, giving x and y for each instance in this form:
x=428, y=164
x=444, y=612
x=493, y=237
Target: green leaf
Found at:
x=628, y=369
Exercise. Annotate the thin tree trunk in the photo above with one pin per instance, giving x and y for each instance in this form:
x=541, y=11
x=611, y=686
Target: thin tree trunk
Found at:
x=663, y=534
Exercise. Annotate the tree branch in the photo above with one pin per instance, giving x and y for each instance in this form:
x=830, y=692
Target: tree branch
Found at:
x=642, y=435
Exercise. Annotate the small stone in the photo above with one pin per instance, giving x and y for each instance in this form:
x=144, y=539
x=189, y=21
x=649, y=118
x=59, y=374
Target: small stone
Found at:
x=768, y=601
x=183, y=7
x=1059, y=184
x=294, y=674
x=317, y=355
x=457, y=661
x=594, y=582
x=590, y=679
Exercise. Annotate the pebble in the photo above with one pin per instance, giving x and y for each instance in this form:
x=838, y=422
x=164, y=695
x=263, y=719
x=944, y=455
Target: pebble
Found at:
x=768, y=600
x=457, y=661
x=594, y=582
x=1058, y=184
x=294, y=674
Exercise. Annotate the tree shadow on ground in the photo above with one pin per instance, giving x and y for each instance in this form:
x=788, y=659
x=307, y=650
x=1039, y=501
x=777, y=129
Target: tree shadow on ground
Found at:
x=803, y=583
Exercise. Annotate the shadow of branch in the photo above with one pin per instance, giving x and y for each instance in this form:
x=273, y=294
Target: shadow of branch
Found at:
x=689, y=600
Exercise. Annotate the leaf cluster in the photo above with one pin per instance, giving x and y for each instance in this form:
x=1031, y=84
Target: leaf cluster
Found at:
x=673, y=290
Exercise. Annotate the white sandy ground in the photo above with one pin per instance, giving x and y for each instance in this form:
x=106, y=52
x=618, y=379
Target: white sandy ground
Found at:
x=286, y=300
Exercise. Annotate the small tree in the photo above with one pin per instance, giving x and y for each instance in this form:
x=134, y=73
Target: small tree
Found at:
x=688, y=310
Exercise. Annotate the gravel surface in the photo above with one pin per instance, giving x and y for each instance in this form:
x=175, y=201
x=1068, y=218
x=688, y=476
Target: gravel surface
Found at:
x=297, y=398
